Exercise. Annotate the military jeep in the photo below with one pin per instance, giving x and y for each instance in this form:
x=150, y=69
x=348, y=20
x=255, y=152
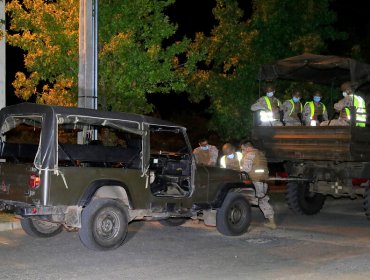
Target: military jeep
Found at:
x=95, y=172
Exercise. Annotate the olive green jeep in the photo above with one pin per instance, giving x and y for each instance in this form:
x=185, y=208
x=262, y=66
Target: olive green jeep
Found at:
x=95, y=172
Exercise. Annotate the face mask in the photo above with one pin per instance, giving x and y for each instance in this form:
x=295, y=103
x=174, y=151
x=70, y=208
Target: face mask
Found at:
x=270, y=94
x=230, y=156
x=316, y=98
x=296, y=99
x=345, y=94
x=204, y=148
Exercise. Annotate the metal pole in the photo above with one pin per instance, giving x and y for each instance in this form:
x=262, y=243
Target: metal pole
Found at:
x=2, y=57
x=88, y=54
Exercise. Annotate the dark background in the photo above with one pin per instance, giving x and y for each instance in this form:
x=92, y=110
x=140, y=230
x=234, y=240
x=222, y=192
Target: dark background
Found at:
x=196, y=16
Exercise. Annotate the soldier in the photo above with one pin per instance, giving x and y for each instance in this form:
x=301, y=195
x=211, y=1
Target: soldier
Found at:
x=292, y=110
x=108, y=137
x=231, y=159
x=206, y=154
x=343, y=106
x=314, y=112
x=269, y=107
x=255, y=164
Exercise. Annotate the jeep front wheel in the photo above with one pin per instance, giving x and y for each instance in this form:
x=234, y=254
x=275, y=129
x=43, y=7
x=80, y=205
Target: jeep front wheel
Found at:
x=234, y=216
x=302, y=201
x=104, y=224
x=38, y=228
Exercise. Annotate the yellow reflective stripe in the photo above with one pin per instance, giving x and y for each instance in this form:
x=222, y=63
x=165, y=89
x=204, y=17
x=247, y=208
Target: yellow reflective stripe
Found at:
x=348, y=113
x=223, y=162
x=360, y=108
x=291, y=111
x=268, y=103
x=312, y=107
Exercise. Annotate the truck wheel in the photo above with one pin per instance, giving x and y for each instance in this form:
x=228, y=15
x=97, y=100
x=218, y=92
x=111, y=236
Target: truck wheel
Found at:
x=302, y=201
x=104, y=225
x=173, y=222
x=38, y=228
x=234, y=216
x=367, y=203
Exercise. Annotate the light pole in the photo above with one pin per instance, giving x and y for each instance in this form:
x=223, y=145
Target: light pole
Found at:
x=88, y=55
x=2, y=57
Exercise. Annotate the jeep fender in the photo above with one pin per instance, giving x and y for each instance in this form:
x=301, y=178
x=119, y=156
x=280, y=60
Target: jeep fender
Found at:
x=106, y=189
x=241, y=187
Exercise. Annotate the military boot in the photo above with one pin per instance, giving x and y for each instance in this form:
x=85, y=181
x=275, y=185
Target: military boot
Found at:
x=270, y=224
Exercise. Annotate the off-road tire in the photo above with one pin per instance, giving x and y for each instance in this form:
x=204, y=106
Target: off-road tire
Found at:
x=301, y=201
x=173, y=222
x=38, y=228
x=104, y=224
x=367, y=203
x=234, y=216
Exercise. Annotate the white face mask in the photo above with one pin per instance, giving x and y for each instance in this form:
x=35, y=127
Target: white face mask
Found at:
x=270, y=94
x=230, y=156
x=345, y=93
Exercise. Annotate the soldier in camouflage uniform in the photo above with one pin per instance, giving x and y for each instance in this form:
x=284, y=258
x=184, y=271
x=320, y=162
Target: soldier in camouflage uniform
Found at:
x=343, y=106
x=314, y=112
x=269, y=107
x=255, y=164
x=206, y=154
x=231, y=159
x=292, y=110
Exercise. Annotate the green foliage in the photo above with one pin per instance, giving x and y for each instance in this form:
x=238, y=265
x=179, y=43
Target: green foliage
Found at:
x=48, y=33
x=133, y=58
x=236, y=49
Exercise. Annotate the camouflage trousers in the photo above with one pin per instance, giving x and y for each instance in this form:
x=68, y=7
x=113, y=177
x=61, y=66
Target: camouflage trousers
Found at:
x=335, y=122
x=263, y=199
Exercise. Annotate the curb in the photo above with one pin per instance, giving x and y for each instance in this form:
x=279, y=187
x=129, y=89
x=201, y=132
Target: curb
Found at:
x=5, y=226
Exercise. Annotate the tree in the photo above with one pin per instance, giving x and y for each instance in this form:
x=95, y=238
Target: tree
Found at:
x=48, y=34
x=237, y=47
x=135, y=58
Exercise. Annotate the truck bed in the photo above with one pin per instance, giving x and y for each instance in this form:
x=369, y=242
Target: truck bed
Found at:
x=297, y=143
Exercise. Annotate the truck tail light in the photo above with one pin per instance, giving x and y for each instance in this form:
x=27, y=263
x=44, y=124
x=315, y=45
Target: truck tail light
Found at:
x=34, y=182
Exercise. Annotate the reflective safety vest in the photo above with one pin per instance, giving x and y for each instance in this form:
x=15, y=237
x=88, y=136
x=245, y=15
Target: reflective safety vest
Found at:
x=234, y=163
x=293, y=107
x=359, y=104
x=268, y=102
x=312, y=107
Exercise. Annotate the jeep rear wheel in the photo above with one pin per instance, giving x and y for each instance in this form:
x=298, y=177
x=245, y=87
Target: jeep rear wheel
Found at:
x=302, y=201
x=367, y=203
x=234, y=216
x=104, y=224
x=38, y=228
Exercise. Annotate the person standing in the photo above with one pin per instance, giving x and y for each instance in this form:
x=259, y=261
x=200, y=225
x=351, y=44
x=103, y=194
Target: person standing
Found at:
x=343, y=106
x=292, y=110
x=231, y=158
x=205, y=154
x=314, y=112
x=255, y=164
x=269, y=107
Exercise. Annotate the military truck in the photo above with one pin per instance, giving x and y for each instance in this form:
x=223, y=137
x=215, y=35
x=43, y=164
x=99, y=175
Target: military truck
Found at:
x=94, y=172
x=320, y=161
